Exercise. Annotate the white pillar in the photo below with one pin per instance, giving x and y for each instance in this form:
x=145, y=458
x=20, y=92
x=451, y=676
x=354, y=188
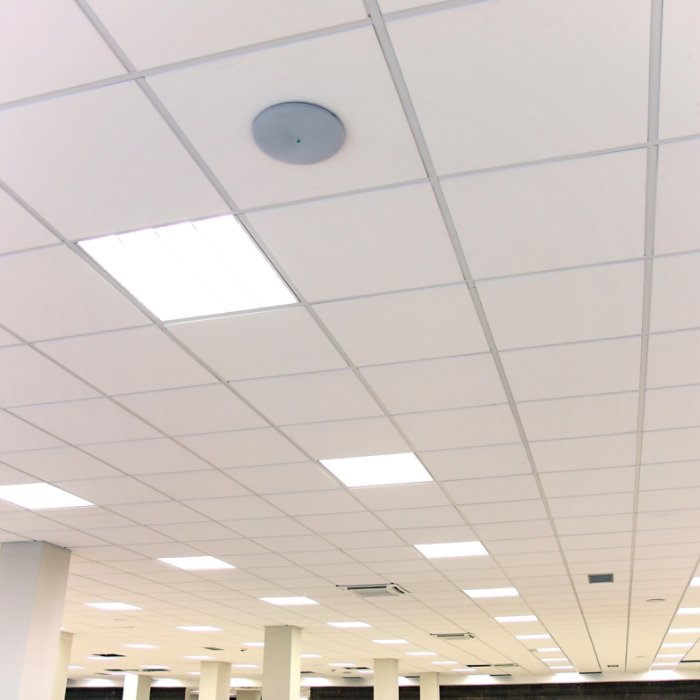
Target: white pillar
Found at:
x=282, y=663
x=61, y=677
x=248, y=695
x=136, y=687
x=386, y=679
x=215, y=680
x=429, y=686
x=33, y=578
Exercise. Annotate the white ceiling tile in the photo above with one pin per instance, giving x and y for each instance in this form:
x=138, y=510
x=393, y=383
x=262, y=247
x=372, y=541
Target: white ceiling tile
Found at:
x=365, y=538
x=261, y=344
x=594, y=524
x=56, y=294
x=305, y=398
x=50, y=47
x=295, y=543
x=669, y=499
x=590, y=481
x=475, y=462
x=283, y=478
x=432, y=535
x=678, y=407
x=494, y=532
x=676, y=286
x=122, y=362
x=316, y=503
x=673, y=359
x=159, y=513
x=148, y=457
x=118, y=490
x=583, y=453
x=243, y=448
x=87, y=421
x=605, y=504
x=413, y=517
x=572, y=370
x=224, y=509
x=502, y=488
x=59, y=463
x=156, y=32
x=10, y=476
x=190, y=532
x=677, y=208
x=680, y=70
x=348, y=438
x=577, y=417
x=558, y=215
x=201, y=409
x=406, y=326
x=128, y=535
x=427, y=385
x=671, y=445
x=216, y=103
x=56, y=156
x=361, y=244
x=565, y=307
x=81, y=518
x=398, y=5
x=402, y=496
x=510, y=511
x=20, y=230
x=7, y=338
x=571, y=78
x=267, y=527
x=466, y=427
x=341, y=522
x=15, y=434
x=28, y=378
x=667, y=476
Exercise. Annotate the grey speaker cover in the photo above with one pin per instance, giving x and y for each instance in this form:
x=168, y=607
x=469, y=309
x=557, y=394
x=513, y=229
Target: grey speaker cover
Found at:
x=298, y=132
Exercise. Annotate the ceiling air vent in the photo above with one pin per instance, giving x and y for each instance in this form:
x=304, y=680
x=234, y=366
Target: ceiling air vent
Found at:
x=600, y=578
x=376, y=590
x=110, y=656
x=453, y=635
x=506, y=665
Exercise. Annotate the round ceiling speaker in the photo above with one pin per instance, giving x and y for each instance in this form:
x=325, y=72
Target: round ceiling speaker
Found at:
x=298, y=132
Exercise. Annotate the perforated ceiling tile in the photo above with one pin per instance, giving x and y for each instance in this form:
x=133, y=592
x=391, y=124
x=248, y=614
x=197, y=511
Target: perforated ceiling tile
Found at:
x=55, y=294
x=156, y=32
x=56, y=156
x=142, y=359
x=368, y=243
x=16, y=434
x=284, y=478
x=59, y=463
x=675, y=284
x=678, y=407
x=558, y=215
x=476, y=462
x=263, y=344
x=583, y=453
x=565, y=307
x=215, y=104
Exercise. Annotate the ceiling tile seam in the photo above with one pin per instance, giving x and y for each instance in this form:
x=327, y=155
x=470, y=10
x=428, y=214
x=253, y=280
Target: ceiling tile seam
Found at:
x=180, y=65
x=428, y=9
x=412, y=117
x=654, y=97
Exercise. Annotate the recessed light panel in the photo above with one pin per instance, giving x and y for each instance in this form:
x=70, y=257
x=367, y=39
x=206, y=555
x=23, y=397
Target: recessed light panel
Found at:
x=196, y=563
x=290, y=600
x=695, y=581
x=685, y=630
x=311, y=656
x=557, y=660
x=689, y=611
x=390, y=641
x=670, y=656
x=421, y=653
x=447, y=550
x=444, y=663
x=533, y=636
x=191, y=269
x=516, y=618
x=199, y=628
x=463, y=670
x=681, y=644
x=492, y=592
x=41, y=497
x=348, y=624
x=112, y=606
x=548, y=649
x=378, y=470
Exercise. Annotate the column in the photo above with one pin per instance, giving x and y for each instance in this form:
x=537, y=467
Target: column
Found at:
x=248, y=695
x=215, y=680
x=33, y=578
x=61, y=677
x=136, y=687
x=429, y=686
x=386, y=679
x=282, y=663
